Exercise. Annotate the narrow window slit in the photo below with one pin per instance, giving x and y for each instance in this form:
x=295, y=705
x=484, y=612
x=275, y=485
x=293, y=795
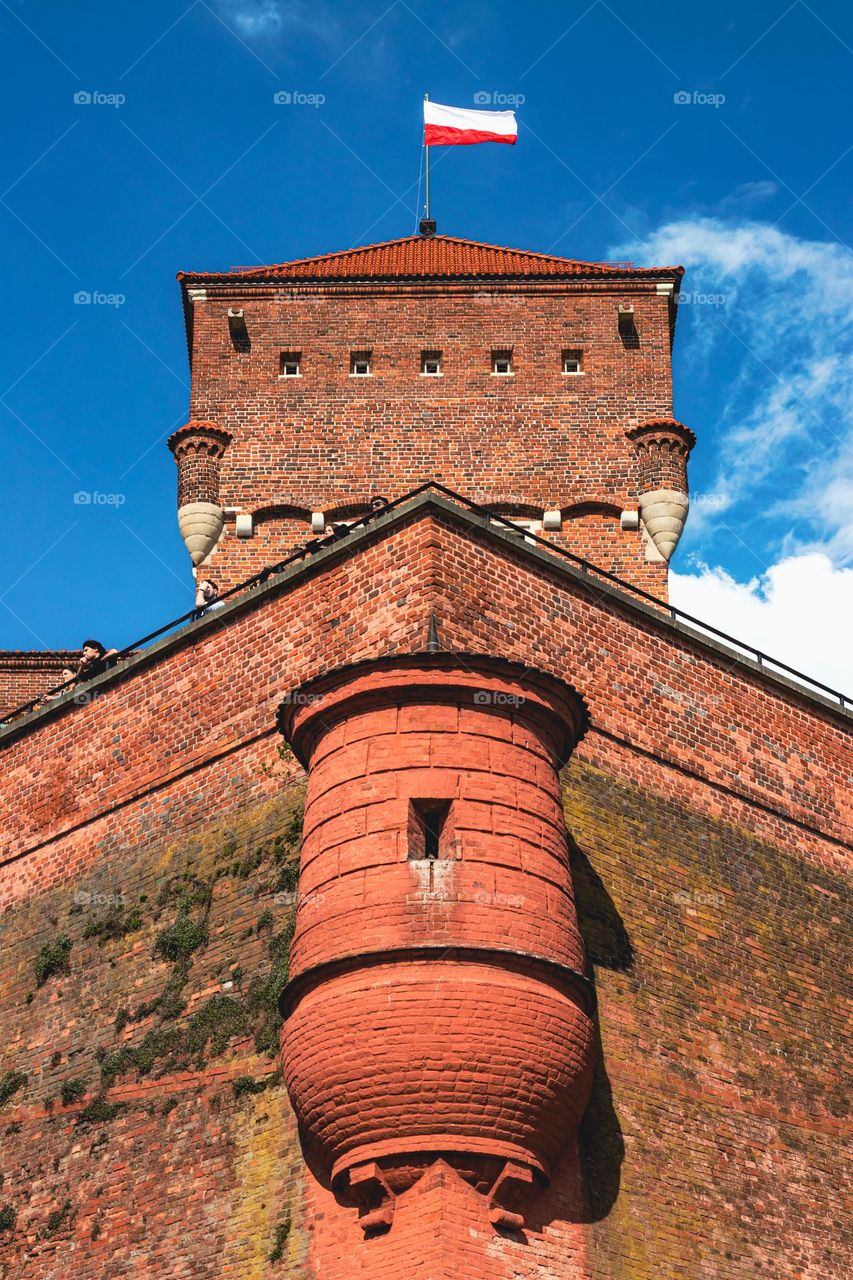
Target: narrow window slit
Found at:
x=428, y=818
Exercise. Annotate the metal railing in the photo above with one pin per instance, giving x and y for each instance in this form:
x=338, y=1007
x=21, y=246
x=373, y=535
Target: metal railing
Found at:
x=316, y=544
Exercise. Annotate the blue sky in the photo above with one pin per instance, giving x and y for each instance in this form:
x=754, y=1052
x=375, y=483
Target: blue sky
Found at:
x=183, y=159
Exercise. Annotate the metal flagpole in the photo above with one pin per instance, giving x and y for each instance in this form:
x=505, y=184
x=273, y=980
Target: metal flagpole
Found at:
x=426, y=186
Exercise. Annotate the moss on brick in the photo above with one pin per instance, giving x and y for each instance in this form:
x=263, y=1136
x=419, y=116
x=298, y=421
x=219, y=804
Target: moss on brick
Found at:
x=114, y=925
x=179, y=940
x=72, y=1091
x=99, y=1111
x=263, y=994
x=282, y=1232
x=10, y=1084
x=243, y=1085
x=8, y=1218
x=54, y=958
x=56, y=1218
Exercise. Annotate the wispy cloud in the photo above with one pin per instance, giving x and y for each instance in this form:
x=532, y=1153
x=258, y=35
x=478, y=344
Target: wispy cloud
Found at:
x=770, y=323
x=766, y=337
x=799, y=612
x=749, y=193
x=254, y=17
x=263, y=20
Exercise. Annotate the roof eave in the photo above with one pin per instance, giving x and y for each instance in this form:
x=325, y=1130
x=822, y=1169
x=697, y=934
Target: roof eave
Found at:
x=191, y=279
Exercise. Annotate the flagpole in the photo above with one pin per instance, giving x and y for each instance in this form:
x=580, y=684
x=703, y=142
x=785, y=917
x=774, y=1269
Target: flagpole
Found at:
x=426, y=186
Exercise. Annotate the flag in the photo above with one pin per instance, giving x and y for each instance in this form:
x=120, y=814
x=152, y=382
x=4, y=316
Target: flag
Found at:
x=455, y=126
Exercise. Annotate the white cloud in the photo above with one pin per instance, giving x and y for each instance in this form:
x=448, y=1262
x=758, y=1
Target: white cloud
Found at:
x=784, y=435
x=266, y=19
x=255, y=17
x=800, y=611
x=749, y=193
x=772, y=363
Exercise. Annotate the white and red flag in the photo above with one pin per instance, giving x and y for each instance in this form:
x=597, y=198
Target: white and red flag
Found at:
x=455, y=126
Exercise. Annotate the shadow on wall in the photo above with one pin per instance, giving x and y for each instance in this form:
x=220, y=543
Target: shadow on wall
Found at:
x=601, y=1144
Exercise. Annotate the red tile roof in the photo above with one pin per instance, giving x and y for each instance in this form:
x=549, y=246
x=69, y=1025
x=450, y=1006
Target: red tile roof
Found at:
x=438, y=257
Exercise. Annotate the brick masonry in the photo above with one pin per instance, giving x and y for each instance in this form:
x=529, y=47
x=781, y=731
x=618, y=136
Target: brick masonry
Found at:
x=708, y=818
x=326, y=441
x=28, y=674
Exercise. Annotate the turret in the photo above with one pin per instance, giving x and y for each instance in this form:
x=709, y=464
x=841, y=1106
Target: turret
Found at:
x=437, y=1007
x=662, y=451
x=198, y=448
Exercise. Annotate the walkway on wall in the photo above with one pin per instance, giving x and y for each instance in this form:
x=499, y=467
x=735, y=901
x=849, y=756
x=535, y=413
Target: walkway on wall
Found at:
x=696, y=626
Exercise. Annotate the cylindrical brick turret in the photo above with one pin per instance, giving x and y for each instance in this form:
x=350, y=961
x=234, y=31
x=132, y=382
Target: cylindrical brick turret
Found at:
x=437, y=1003
x=662, y=451
x=198, y=448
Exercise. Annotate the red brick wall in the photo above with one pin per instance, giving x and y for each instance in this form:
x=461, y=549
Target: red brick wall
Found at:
x=538, y=439
x=27, y=675
x=707, y=810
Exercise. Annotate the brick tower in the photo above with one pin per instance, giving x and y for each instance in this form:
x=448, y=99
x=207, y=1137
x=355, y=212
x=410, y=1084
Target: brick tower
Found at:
x=436, y=899
x=538, y=386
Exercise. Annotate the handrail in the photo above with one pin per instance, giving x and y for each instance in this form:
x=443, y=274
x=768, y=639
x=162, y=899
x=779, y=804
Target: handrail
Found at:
x=586, y=566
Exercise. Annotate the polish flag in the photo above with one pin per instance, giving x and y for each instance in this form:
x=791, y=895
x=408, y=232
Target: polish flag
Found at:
x=455, y=126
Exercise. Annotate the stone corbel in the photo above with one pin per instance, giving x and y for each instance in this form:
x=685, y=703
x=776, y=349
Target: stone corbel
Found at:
x=370, y=1189
x=510, y=1187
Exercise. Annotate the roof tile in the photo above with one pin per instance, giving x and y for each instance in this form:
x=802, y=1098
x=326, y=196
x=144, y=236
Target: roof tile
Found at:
x=437, y=257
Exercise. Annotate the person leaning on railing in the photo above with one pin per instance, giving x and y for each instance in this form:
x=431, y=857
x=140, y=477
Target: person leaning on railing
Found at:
x=94, y=660
x=206, y=597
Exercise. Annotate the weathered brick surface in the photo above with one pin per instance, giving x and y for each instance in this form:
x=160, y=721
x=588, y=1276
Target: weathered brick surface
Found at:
x=169, y=1173
x=539, y=439
x=708, y=810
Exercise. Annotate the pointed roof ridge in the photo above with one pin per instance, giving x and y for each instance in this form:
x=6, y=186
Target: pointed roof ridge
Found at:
x=438, y=256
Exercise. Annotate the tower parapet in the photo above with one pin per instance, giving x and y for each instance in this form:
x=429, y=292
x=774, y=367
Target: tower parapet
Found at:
x=437, y=1007
x=198, y=448
x=662, y=449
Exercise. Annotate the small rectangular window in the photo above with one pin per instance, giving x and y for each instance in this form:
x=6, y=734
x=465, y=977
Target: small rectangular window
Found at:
x=426, y=828
x=291, y=364
x=431, y=363
x=502, y=363
x=572, y=359
x=359, y=363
